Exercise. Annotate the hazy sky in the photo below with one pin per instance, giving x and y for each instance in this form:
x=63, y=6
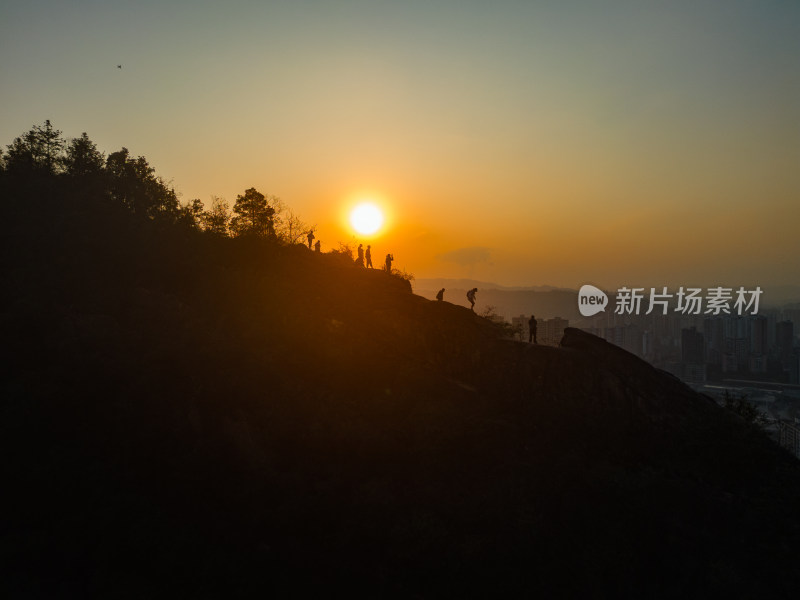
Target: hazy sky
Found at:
x=563, y=142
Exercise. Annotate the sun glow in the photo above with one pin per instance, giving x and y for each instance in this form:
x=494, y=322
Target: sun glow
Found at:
x=366, y=218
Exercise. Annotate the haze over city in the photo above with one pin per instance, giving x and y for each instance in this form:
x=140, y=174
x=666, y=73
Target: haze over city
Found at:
x=524, y=143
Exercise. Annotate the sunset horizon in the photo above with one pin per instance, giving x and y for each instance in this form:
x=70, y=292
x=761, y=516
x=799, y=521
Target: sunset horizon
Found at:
x=522, y=144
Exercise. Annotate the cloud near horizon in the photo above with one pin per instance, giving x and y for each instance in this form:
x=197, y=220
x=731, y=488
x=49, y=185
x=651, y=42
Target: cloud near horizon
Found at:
x=466, y=256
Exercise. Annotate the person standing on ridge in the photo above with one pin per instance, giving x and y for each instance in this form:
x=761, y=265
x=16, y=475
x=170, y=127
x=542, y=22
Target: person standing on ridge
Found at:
x=360, y=259
x=532, y=330
x=310, y=237
x=389, y=259
x=369, y=257
x=317, y=246
x=440, y=295
x=471, y=298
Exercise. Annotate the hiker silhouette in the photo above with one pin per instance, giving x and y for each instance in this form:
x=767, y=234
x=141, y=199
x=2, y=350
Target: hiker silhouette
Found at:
x=532, y=330
x=368, y=255
x=440, y=295
x=389, y=259
x=317, y=246
x=471, y=298
x=360, y=259
x=310, y=237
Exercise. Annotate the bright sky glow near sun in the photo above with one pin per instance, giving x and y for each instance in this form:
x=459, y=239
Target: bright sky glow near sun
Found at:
x=525, y=143
x=366, y=218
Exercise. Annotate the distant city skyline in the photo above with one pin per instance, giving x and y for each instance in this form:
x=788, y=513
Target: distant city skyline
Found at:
x=535, y=143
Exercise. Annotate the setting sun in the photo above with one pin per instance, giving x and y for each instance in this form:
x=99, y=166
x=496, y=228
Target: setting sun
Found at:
x=366, y=218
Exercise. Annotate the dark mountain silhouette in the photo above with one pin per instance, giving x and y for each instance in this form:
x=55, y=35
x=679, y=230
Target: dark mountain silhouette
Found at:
x=191, y=415
x=545, y=301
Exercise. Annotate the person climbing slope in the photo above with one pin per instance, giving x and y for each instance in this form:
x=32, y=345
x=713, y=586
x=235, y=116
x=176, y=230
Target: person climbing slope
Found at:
x=471, y=298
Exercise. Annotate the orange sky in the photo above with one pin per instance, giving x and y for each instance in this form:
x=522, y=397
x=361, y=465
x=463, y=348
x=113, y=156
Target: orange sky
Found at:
x=520, y=143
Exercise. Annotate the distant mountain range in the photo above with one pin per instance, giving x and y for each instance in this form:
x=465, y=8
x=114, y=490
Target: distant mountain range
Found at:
x=439, y=283
x=547, y=301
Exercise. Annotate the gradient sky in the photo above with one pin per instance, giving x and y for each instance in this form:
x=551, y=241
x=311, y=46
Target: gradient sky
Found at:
x=620, y=142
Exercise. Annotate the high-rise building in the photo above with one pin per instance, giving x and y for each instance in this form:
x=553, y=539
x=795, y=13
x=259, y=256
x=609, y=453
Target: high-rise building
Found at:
x=742, y=351
x=647, y=345
x=520, y=325
x=794, y=367
x=693, y=353
x=714, y=333
x=730, y=363
x=757, y=363
x=737, y=342
x=791, y=314
x=784, y=336
x=615, y=335
x=789, y=436
x=692, y=346
x=633, y=340
x=551, y=331
x=759, y=344
x=758, y=335
x=772, y=320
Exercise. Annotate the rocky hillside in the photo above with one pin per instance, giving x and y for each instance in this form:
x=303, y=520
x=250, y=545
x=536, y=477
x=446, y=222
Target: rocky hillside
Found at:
x=193, y=416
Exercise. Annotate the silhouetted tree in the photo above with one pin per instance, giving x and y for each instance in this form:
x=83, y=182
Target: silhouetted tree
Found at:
x=133, y=182
x=195, y=208
x=253, y=215
x=289, y=228
x=39, y=151
x=21, y=155
x=83, y=158
x=127, y=176
x=217, y=218
x=191, y=214
x=52, y=147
